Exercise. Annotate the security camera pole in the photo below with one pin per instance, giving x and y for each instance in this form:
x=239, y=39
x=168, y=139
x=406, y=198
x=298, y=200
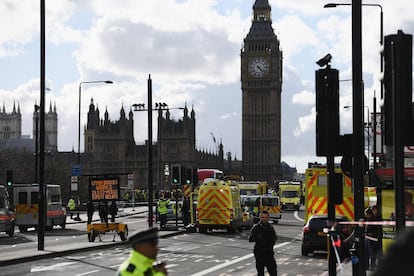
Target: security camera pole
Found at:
x=327, y=137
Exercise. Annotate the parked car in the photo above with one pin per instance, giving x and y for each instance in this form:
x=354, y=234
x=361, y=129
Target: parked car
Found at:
x=314, y=236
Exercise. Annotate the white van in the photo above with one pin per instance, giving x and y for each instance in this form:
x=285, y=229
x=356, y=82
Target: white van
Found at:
x=7, y=218
x=26, y=201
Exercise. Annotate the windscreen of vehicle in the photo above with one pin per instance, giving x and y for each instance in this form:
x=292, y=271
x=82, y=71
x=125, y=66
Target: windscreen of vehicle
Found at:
x=53, y=194
x=290, y=194
x=248, y=192
x=249, y=201
x=270, y=201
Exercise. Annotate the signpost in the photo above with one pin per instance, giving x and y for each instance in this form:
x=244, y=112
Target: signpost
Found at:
x=74, y=180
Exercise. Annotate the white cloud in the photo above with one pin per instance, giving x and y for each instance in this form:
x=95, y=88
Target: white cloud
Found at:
x=304, y=98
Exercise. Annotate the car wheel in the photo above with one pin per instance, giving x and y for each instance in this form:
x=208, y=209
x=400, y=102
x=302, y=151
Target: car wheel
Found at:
x=304, y=252
x=91, y=236
x=22, y=229
x=11, y=231
x=124, y=235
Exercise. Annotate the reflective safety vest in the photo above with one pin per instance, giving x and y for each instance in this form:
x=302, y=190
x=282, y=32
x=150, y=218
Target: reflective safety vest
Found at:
x=138, y=265
x=162, y=206
x=71, y=204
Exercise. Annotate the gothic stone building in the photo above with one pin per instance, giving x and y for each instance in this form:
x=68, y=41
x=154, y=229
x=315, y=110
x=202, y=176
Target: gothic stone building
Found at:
x=11, y=130
x=110, y=148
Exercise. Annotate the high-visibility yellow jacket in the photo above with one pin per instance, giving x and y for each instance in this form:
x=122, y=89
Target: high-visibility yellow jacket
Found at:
x=71, y=204
x=138, y=265
x=162, y=206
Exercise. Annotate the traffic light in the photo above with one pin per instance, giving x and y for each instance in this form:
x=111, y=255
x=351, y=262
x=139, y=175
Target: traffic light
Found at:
x=183, y=175
x=398, y=87
x=176, y=175
x=188, y=176
x=9, y=178
x=327, y=111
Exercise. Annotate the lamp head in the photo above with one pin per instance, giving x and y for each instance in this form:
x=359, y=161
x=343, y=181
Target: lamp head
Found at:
x=330, y=5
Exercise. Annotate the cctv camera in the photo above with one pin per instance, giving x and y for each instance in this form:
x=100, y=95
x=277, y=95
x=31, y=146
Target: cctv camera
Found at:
x=325, y=60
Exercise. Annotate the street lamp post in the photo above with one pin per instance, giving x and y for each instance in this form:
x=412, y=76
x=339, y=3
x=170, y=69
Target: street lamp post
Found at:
x=79, y=110
x=381, y=42
x=158, y=107
x=141, y=107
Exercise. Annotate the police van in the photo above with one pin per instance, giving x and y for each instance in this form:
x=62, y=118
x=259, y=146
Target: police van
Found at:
x=26, y=201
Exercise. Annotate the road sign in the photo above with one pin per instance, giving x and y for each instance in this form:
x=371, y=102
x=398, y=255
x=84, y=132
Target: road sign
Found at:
x=77, y=170
x=74, y=186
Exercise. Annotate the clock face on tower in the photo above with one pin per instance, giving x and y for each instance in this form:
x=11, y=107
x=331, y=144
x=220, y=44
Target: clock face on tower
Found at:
x=258, y=67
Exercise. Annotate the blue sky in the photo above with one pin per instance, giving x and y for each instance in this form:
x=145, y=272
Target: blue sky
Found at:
x=191, y=48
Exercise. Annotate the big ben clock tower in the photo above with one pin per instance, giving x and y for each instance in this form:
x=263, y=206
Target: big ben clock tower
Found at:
x=261, y=82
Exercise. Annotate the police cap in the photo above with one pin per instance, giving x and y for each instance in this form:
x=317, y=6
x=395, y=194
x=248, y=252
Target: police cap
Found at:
x=149, y=235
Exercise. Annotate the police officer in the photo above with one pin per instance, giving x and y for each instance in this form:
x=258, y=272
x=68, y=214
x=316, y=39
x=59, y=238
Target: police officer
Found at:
x=143, y=256
x=162, y=208
x=71, y=206
x=264, y=236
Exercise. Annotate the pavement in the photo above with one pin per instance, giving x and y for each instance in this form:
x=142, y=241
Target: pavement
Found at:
x=30, y=252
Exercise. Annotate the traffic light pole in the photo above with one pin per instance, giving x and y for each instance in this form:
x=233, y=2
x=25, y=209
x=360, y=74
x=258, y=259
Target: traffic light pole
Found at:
x=358, y=135
x=150, y=187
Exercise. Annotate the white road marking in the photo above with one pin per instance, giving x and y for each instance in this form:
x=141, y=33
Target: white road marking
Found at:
x=86, y=273
x=220, y=266
x=51, y=267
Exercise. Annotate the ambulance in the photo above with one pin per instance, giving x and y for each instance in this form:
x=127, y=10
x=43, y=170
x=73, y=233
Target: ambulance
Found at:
x=290, y=193
x=219, y=206
x=316, y=193
x=386, y=202
x=253, y=187
x=271, y=204
x=256, y=203
x=26, y=201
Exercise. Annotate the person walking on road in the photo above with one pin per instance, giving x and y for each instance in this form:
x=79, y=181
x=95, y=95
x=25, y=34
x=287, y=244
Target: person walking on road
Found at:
x=143, y=256
x=162, y=208
x=113, y=210
x=90, y=210
x=103, y=211
x=71, y=206
x=185, y=210
x=264, y=236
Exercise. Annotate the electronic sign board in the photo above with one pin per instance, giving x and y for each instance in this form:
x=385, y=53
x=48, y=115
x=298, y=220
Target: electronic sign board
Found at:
x=107, y=188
